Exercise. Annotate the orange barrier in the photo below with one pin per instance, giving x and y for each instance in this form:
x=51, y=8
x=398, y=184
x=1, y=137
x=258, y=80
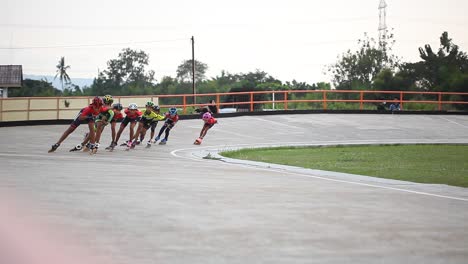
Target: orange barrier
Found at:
x=38, y=108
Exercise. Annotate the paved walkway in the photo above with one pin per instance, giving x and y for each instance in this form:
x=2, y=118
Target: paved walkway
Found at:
x=167, y=204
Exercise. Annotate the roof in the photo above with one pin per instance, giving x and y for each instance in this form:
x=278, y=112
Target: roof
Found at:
x=11, y=76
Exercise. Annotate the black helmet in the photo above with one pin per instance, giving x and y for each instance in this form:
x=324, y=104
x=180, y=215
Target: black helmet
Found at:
x=156, y=108
x=117, y=106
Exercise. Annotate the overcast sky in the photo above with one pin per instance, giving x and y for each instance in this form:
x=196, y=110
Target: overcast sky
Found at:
x=289, y=39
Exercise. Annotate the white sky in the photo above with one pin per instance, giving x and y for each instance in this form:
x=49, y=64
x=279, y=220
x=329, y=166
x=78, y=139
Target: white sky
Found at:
x=289, y=39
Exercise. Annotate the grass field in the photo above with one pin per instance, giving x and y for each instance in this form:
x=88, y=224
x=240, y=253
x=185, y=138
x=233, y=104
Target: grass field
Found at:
x=442, y=164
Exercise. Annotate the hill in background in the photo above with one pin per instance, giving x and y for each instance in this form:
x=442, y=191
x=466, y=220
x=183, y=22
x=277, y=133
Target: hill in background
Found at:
x=81, y=82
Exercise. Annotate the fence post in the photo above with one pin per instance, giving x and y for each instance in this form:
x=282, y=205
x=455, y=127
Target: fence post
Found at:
x=185, y=103
x=440, y=101
x=58, y=107
x=361, y=105
x=1, y=109
x=401, y=100
x=273, y=98
x=29, y=107
x=251, y=102
x=217, y=102
x=324, y=100
x=285, y=100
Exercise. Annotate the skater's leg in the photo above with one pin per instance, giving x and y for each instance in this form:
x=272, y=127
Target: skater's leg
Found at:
x=113, y=133
x=65, y=134
x=92, y=133
x=143, y=134
x=121, y=129
x=161, y=131
x=132, y=130
x=113, y=136
x=168, y=130
x=133, y=135
x=204, y=131
x=99, y=130
x=153, y=129
x=85, y=140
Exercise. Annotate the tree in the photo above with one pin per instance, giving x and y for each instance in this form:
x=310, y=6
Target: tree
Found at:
x=129, y=67
x=357, y=70
x=387, y=80
x=438, y=70
x=185, y=73
x=62, y=71
x=125, y=75
x=35, y=88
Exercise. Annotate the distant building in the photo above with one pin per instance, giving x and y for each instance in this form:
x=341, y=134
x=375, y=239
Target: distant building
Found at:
x=11, y=76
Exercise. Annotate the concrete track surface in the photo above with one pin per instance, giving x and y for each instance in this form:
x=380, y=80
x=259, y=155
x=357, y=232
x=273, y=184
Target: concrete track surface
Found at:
x=167, y=204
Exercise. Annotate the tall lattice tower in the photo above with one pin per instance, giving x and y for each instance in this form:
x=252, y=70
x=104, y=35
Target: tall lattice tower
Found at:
x=382, y=22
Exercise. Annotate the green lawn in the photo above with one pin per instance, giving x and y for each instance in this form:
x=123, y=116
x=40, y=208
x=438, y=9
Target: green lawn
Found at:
x=444, y=164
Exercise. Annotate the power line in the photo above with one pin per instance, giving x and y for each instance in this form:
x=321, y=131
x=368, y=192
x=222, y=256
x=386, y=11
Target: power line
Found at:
x=91, y=45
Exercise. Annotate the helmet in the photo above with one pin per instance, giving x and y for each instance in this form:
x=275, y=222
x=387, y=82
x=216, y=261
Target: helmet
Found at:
x=206, y=116
x=97, y=101
x=149, y=103
x=108, y=99
x=173, y=111
x=156, y=108
x=117, y=106
x=132, y=106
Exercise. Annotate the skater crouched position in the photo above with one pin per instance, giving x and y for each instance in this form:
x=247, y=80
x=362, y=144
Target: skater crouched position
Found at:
x=101, y=121
x=132, y=115
x=209, y=122
x=150, y=116
x=171, y=119
x=86, y=115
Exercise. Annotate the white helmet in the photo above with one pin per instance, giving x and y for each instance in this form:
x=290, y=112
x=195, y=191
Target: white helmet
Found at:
x=132, y=106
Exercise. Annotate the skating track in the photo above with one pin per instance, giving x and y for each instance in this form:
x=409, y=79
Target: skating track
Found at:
x=167, y=204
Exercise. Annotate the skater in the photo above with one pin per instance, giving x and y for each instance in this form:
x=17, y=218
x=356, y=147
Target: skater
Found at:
x=102, y=120
x=153, y=125
x=132, y=115
x=171, y=119
x=86, y=115
x=144, y=123
x=209, y=122
x=117, y=116
x=107, y=100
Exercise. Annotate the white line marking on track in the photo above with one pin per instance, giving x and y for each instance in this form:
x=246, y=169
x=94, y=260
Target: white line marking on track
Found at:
x=368, y=185
x=451, y=121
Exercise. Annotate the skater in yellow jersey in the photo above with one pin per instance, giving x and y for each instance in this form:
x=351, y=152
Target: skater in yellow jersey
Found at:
x=148, y=117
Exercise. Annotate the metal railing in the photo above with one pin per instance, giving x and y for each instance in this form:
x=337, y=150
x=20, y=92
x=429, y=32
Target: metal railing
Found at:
x=42, y=108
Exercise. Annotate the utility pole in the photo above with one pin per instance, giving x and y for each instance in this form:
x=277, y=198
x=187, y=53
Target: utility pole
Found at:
x=382, y=23
x=193, y=71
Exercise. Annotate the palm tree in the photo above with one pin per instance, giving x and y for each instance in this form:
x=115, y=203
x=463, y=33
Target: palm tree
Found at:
x=62, y=72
